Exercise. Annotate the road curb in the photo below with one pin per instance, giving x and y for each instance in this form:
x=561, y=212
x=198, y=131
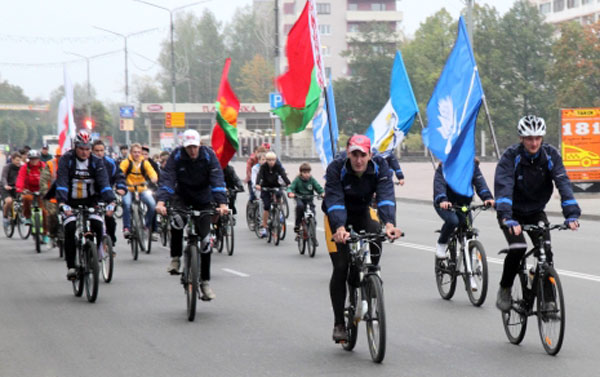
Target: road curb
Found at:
x=551, y=213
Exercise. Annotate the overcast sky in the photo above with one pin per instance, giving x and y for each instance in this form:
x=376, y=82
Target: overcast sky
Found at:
x=36, y=34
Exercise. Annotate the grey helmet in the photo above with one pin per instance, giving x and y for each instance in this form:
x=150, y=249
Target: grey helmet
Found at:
x=34, y=153
x=531, y=125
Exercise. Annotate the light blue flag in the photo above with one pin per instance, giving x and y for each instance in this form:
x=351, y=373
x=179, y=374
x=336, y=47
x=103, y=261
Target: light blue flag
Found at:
x=395, y=119
x=452, y=113
x=321, y=125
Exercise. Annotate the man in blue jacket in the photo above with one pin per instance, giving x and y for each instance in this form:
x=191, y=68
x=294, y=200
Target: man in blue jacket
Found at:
x=81, y=180
x=350, y=185
x=192, y=177
x=524, y=181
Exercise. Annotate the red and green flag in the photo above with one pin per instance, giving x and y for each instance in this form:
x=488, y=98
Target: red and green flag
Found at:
x=225, y=136
x=302, y=84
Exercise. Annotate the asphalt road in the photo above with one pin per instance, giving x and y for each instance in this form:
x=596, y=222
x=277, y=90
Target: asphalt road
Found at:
x=272, y=315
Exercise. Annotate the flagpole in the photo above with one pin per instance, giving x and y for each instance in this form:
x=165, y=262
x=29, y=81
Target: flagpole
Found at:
x=333, y=150
x=489, y=118
x=430, y=154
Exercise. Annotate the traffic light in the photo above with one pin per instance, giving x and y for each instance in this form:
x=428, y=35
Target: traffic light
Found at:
x=89, y=123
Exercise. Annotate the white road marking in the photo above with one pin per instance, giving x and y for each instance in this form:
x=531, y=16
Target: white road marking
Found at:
x=235, y=272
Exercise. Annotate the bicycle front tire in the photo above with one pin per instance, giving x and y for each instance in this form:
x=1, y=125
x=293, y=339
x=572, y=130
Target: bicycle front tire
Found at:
x=515, y=320
x=445, y=273
x=191, y=280
x=91, y=271
x=24, y=229
x=78, y=282
x=9, y=228
x=351, y=324
x=107, y=259
x=312, y=238
x=551, y=321
x=375, y=319
x=479, y=268
x=229, y=235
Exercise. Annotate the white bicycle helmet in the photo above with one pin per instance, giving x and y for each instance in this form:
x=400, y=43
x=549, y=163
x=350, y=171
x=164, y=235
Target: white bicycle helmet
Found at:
x=531, y=125
x=34, y=153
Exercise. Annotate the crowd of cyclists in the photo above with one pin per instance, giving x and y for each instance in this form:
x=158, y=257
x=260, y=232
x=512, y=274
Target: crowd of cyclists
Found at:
x=359, y=193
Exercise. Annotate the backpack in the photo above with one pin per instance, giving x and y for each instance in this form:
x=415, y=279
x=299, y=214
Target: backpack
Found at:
x=142, y=169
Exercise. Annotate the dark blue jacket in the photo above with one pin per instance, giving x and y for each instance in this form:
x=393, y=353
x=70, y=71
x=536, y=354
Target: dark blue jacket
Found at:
x=115, y=175
x=345, y=192
x=196, y=182
x=66, y=170
x=393, y=163
x=524, y=183
x=443, y=192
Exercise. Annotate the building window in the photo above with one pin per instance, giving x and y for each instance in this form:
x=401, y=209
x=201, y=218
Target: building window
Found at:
x=325, y=29
x=354, y=6
x=559, y=5
x=353, y=27
x=327, y=71
x=545, y=8
x=323, y=8
x=286, y=28
x=572, y=3
x=325, y=50
x=377, y=6
x=288, y=8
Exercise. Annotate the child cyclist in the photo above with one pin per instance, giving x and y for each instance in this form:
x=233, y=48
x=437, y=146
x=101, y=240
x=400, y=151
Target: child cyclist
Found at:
x=268, y=177
x=304, y=184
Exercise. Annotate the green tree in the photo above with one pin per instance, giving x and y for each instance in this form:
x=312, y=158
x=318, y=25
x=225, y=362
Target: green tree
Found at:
x=256, y=80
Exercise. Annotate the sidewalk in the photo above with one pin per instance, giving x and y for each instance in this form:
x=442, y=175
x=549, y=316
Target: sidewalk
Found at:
x=418, y=186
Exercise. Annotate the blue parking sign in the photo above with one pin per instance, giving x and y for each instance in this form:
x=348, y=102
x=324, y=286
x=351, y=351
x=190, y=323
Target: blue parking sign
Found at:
x=126, y=111
x=275, y=99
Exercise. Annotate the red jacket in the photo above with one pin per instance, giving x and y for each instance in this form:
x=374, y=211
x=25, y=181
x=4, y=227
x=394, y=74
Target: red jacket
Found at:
x=29, y=177
x=253, y=160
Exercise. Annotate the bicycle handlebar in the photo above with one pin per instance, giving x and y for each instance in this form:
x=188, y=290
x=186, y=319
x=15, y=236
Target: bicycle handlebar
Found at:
x=533, y=227
x=466, y=208
x=318, y=196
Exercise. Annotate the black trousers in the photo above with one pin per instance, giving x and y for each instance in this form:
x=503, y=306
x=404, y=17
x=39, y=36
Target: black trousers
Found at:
x=517, y=246
x=203, y=229
x=300, y=206
x=340, y=260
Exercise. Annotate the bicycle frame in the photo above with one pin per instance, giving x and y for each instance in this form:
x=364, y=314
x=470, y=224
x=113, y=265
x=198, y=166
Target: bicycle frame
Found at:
x=464, y=235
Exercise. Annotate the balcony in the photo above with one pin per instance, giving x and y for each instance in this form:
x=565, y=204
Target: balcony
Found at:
x=365, y=16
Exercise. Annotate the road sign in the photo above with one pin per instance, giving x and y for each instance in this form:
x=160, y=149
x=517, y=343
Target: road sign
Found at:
x=580, y=143
x=126, y=124
x=275, y=99
x=126, y=111
x=174, y=120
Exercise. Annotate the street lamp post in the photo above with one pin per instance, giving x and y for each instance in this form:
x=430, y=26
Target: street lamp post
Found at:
x=172, y=29
x=125, y=36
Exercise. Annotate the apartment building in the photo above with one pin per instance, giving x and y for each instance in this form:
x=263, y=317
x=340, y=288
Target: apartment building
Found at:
x=339, y=22
x=557, y=11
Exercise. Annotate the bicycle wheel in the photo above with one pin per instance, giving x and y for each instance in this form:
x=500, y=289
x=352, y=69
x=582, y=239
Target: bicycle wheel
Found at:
x=285, y=206
x=275, y=227
x=149, y=241
x=515, y=320
x=9, y=227
x=445, y=272
x=118, y=210
x=79, y=263
x=138, y=228
x=312, y=238
x=23, y=228
x=479, y=267
x=134, y=246
x=190, y=280
x=36, y=227
x=107, y=260
x=220, y=233
x=282, y=226
x=229, y=235
x=375, y=318
x=351, y=324
x=302, y=237
x=551, y=311
x=257, y=221
x=92, y=271
x=250, y=211
x=60, y=241
x=164, y=230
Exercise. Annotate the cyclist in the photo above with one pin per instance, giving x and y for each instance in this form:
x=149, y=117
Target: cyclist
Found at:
x=233, y=185
x=524, y=181
x=137, y=171
x=81, y=180
x=393, y=163
x=304, y=184
x=48, y=177
x=250, y=163
x=192, y=177
x=268, y=177
x=116, y=180
x=28, y=181
x=10, y=172
x=155, y=166
x=444, y=198
x=45, y=155
x=123, y=153
x=350, y=184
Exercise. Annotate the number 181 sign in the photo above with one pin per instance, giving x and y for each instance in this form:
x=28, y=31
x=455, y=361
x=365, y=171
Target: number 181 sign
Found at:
x=580, y=143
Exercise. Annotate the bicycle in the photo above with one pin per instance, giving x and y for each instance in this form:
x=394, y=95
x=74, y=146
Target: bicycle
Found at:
x=541, y=285
x=86, y=256
x=251, y=207
x=164, y=229
x=137, y=238
x=365, y=288
x=37, y=222
x=118, y=207
x=106, y=254
x=468, y=261
x=276, y=226
x=9, y=227
x=307, y=234
x=190, y=277
x=23, y=226
x=225, y=224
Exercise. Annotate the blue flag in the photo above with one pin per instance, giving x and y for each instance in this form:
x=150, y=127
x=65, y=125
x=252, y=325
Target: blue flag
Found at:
x=395, y=119
x=452, y=113
x=321, y=125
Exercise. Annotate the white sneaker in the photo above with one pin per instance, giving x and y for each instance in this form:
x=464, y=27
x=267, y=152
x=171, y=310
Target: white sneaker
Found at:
x=173, y=268
x=473, y=282
x=207, y=292
x=440, y=250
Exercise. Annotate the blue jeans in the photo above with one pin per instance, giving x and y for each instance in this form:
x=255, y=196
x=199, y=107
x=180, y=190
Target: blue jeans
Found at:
x=146, y=197
x=451, y=221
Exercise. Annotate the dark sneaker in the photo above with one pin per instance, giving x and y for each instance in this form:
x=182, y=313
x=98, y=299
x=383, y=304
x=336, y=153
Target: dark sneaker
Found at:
x=71, y=274
x=504, y=299
x=126, y=233
x=339, y=334
x=550, y=310
x=296, y=229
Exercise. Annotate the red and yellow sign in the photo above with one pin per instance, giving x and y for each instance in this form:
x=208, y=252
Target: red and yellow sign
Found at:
x=580, y=137
x=174, y=120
